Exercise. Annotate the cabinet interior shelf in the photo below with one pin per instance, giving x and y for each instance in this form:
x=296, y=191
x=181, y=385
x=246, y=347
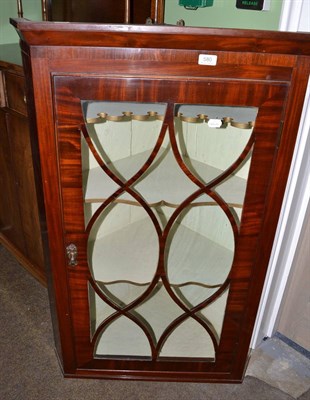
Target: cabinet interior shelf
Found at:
x=128, y=257
x=163, y=184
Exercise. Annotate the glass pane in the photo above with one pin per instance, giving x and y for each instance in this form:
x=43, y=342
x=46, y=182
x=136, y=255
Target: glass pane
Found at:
x=200, y=251
x=123, y=338
x=214, y=140
x=120, y=138
x=213, y=313
x=158, y=311
x=162, y=209
x=190, y=340
x=123, y=248
x=98, y=309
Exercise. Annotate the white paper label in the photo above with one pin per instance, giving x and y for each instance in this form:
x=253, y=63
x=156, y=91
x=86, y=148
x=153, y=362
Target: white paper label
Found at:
x=207, y=59
x=214, y=123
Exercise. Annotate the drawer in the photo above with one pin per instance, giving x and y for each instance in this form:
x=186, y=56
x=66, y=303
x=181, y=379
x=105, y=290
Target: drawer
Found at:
x=15, y=92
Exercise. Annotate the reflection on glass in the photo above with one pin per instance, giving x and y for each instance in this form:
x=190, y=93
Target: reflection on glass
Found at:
x=162, y=208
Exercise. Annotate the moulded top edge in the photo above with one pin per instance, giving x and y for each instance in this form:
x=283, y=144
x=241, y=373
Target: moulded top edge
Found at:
x=160, y=36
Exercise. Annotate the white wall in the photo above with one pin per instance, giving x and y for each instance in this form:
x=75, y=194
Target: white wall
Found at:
x=304, y=21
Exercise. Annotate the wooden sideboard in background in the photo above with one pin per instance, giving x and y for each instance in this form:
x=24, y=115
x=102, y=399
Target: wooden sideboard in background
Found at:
x=20, y=230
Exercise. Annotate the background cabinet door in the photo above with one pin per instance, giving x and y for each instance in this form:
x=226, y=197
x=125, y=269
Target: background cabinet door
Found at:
x=19, y=214
x=10, y=221
x=25, y=188
x=106, y=11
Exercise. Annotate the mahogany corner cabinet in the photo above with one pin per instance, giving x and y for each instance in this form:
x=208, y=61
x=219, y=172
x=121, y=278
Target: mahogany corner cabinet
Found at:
x=164, y=155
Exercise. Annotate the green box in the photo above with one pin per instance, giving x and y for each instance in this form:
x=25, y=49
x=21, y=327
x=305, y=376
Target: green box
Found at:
x=193, y=4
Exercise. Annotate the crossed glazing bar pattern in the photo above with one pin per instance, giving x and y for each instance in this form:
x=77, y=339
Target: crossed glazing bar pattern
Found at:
x=168, y=289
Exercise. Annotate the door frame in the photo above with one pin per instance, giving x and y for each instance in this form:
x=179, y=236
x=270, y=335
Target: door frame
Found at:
x=295, y=203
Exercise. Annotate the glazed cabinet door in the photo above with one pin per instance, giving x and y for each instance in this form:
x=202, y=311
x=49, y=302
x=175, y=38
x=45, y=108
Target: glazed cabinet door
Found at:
x=164, y=184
